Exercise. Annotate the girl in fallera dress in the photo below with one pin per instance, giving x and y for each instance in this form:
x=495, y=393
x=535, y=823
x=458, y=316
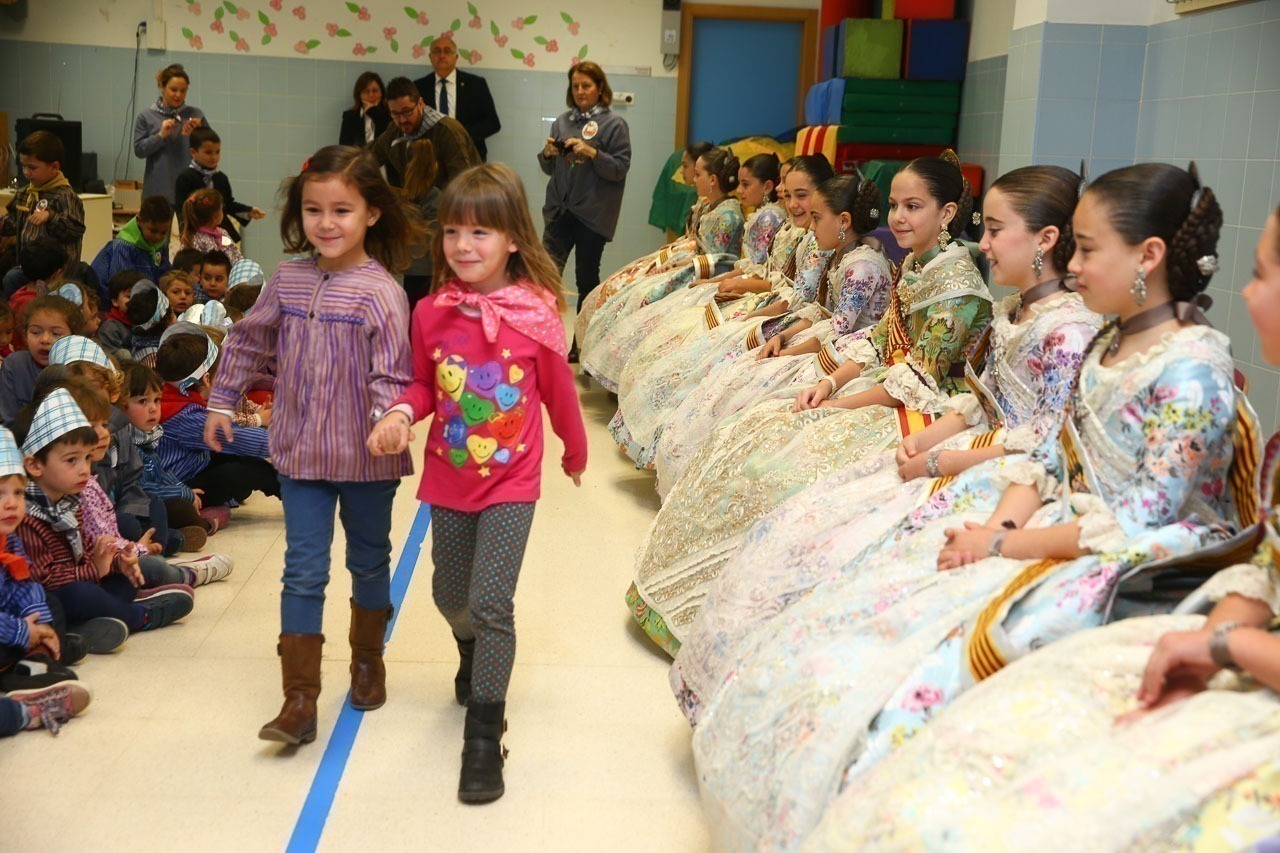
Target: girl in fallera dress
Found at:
x=1156, y=732
x=1145, y=468
x=1038, y=337
x=719, y=236
x=850, y=295
x=905, y=368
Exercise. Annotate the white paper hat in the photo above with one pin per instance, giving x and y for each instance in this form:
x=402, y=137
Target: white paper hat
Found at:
x=245, y=271
x=10, y=455
x=75, y=348
x=185, y=327
x=58, y=415
x=162, y=303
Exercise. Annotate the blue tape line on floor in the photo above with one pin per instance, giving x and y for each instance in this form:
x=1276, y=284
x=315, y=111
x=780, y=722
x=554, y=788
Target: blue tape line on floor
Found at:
x=324, y=786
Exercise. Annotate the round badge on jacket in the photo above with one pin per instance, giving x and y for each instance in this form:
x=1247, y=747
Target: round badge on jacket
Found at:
x=42, y=204
x=590, y=129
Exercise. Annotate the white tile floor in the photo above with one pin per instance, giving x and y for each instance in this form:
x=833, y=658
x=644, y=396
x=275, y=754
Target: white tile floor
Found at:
x=168, y=755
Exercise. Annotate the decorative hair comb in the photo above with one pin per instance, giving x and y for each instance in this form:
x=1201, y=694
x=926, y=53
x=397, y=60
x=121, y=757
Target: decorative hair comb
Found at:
x=306, y=164
x=976, y=219
x=1195, y=201
x=1208, y=265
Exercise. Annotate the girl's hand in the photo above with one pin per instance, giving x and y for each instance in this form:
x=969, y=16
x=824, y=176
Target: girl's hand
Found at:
x=130, y=569
x=391, y=435
x=41, y=634
x=972, y=541
x=912, y=468
x=813, y=396
x=257, y=213
x=1179, y=664
x=197, y=499
x=907, y=450
x=167, y=127
x=771, y=348
x=146, y=543
x=217, y=424
x=264, y=415
x=576, y=476
x=104, y=551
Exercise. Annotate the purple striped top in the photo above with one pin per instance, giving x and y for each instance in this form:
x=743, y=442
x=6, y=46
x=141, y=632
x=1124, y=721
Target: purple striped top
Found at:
x=338, y=344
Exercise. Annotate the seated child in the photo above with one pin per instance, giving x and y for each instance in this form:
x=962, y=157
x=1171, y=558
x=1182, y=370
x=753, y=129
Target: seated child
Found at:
x=190, y=261
x=100, y=514
x=202, y=225
x=42, y=267
x=149, y=313
x=186, y=357
x=116, y=332
x=46, y=207
x=179, y=289
x=39, y=692
x=47, y=319
x=6, y=329
x=249, y=412
x=85, y=298
x=142, y=245
x=214, y=275
x=90, y=575
x=203, y=173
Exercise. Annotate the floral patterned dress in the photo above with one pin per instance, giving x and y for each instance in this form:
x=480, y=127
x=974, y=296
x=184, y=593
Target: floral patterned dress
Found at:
x=673, y=254
x=685, y=307
x=840, y=679
x=853, y=297
x=1034, y=752
x=817, y=536
x=768, y=453
x=719, y=233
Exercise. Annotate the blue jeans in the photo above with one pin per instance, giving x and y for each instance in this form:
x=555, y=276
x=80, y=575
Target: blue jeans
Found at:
x=365, y=512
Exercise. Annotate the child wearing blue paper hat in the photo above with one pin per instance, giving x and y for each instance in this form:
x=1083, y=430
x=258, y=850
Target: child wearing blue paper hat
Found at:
x=38, y=692
x=90, y=575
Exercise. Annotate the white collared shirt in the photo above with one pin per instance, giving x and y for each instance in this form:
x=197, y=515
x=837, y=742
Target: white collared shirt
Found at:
x=451, y=83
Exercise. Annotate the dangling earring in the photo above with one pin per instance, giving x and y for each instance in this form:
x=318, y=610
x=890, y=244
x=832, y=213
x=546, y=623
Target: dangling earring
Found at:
x=1139, y=289
x=944, y=237
x=1038, y=263
x=841, y=236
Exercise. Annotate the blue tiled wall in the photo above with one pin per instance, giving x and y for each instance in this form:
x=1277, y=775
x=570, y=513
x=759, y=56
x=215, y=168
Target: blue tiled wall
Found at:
x=981, y=114
x=1211, y=92
x=272, y=113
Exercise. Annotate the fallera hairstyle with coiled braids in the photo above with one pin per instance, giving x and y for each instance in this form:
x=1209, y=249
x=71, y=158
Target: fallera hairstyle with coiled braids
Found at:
x=816, y=166
x=1045, y=196
x=491, y=195
x=846, y=194
x=1158, y=200
x=765, y=167
x=721, y=164
x=399, y=233
x=946, y=185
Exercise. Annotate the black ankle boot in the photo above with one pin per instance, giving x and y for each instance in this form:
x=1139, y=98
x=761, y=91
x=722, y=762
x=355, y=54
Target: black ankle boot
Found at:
x=462, y=681
x=482, y=753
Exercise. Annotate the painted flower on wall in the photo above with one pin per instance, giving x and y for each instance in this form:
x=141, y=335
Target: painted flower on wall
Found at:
x=473, y=56
x=306, y=46
x=192, y=39
x=300, y=12
x=276, y=4
x=549, y=44
x=193, y=7
x=574, y=26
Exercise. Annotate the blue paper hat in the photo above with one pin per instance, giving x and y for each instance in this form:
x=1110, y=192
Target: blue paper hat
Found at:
x=10, y=455
x=72, y=293
x=58, y=415
x=184, y=327
x=75, y=348
x=245, y=271
x=162, y=304
x=208, y=314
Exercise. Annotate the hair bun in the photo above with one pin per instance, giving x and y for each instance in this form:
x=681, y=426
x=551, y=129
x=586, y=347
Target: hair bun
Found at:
x=950, y=156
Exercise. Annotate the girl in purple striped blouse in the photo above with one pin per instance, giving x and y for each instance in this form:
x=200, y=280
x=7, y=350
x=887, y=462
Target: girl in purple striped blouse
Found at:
x=334, y=329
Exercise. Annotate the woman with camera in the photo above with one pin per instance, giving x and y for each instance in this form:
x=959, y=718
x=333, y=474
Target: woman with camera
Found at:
x=587, y=156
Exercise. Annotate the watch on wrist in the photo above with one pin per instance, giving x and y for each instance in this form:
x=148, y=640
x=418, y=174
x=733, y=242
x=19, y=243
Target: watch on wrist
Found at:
x=997, y=542
x=1219, y=651
x=931, y=463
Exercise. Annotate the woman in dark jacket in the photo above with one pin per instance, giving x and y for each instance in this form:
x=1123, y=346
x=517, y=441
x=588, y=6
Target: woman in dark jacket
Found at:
x=369, y=117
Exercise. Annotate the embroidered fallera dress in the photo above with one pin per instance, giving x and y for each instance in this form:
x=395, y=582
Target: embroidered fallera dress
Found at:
x=1017, y=402
x=719, y=234
x=819, y=695
x=768, y=453
x=850, y=297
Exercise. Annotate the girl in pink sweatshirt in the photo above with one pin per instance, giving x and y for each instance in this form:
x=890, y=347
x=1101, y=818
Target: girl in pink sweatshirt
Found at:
x=489, y=351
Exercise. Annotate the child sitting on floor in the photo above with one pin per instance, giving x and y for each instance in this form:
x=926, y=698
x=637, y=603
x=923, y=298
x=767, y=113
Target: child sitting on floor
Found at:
x=214, y=275
x=149, y=312
x=179, y=289
x=42, y=264
x=41, y=693
x=89, y=574
x=48, y=318
x=142, y=245
x=116, y=332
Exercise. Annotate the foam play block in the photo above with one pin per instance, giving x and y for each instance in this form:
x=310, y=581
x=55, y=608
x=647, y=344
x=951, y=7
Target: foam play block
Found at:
x=824, y=102
x=870, y=48
x=856, y=103
x=835, y=11
x=910, y=9
x=936, y=50
x=938, y=135
x=827, y=63
x=933, y=120
x=818, y=140
x=912, y=88
x=850, y=154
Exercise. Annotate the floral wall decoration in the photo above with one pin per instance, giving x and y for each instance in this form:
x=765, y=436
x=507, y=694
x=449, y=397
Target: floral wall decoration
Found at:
x=358, y=30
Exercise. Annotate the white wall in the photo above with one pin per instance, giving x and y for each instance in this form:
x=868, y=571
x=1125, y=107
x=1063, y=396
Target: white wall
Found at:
x=989, y=32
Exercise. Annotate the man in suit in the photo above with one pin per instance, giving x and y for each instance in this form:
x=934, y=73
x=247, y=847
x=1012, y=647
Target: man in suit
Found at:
x=466, y=96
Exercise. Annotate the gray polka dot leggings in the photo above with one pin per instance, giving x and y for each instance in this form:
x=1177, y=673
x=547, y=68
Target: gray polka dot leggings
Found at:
x=477, y=558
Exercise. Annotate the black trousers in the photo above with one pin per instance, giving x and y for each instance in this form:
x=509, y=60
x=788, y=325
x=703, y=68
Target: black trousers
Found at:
x=416, y=287
x=564, y=234
x=229, y=477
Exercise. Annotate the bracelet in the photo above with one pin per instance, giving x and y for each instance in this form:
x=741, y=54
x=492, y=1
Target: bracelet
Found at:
x=829, y=379
x=931, y=463
x=1219, y=651
x=997, y=542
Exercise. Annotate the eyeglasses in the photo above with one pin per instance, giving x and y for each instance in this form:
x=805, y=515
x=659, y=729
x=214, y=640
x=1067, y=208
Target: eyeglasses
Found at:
x=443, y=51
x=397, y=114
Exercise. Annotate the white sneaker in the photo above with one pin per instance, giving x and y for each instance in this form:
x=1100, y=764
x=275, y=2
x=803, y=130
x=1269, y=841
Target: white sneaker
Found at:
x=207, y=568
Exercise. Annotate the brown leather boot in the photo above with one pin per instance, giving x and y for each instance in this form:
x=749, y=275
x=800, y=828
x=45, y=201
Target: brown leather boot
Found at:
x=300, y=667
x=368, y=674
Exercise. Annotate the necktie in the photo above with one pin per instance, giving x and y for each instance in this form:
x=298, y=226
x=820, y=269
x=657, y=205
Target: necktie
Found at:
x=443, y=102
